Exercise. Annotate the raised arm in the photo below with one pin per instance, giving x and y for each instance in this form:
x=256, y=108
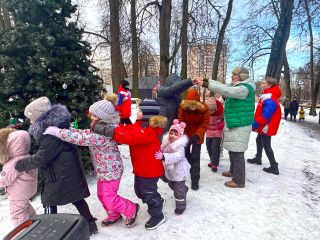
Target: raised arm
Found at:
x=238, y=92
x=175, y=88
x=49, y=149
x=81, y=137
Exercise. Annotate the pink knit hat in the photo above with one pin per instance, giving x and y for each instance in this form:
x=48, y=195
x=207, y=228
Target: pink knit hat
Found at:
x=178, y=126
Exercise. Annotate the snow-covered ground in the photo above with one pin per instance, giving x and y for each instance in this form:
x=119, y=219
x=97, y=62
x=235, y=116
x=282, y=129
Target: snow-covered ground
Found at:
x=269, y=207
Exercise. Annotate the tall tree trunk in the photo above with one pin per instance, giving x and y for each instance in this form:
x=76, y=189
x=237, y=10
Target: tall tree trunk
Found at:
x=116, y=60
x=313, y=101
x=184, y=40
x=135, y=80
x=220, y=42
x=279, y=41
x=286, y=76
x=164, y=37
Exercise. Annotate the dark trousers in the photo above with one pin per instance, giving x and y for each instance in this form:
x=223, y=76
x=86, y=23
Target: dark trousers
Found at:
x=213, y=147
x=81, y=206
x=294, y=117
x=146, y=190
x=264, y=142
x=192, y=152
x=180, y=193
x=286, y=112
x=301, y=119
x=237, y=167
x=126, y=121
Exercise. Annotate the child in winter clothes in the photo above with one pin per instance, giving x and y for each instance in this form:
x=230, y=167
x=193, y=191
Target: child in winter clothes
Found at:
x=301, y=114
x=143, y=141
x=65, y=181
x=196, y=116
x=214, y=132
x=20, y=187
x=106, y=160
x=175, y=163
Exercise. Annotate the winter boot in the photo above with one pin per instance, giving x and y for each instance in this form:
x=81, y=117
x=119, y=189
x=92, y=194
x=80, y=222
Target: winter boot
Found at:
x=227, y=174
x=210, y=165
x=273, y=169
x=92, y=226
x=232, y=184
x=178, y=211
x=214, y=168
x=256, y=159
x=154, y=222
x=131, y=221
x=194, y=185
x=109, y=223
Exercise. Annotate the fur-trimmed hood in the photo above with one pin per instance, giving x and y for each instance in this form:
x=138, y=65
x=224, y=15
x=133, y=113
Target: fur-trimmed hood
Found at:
x=58, y=116
x=181, y=142
x=4, y=150
x=158, y=121
x=192, y=99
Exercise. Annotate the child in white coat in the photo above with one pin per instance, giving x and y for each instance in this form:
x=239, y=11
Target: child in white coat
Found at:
x=20, y=186
x=176, y=165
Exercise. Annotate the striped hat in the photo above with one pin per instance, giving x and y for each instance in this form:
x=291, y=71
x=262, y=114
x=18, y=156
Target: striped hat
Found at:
x=149, y=109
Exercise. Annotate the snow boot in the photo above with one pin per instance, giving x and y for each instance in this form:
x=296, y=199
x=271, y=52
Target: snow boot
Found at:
x=227, y=174
x=214, y=168
x=232, y=184
x=178, y=211
x=93, y=229
x=210, y=165
x=154, y=222
x=131, y=221
x=194, y=185
x=256, y=159
x=109, y=223
x=272, y=169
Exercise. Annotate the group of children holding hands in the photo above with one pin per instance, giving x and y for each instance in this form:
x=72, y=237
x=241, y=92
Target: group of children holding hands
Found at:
x=65, y=180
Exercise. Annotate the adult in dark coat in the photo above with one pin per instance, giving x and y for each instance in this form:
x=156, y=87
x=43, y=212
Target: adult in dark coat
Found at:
x=294, y=108
x=64, y=178
x=169, y=98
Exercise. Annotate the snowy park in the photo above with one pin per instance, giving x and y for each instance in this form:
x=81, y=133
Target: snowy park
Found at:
x=286, y=206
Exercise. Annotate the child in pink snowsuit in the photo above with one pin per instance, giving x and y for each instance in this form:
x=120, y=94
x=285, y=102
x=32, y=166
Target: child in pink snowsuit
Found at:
x=106, y=160
x=20, y=186
x=214, y=133
x=175, y=163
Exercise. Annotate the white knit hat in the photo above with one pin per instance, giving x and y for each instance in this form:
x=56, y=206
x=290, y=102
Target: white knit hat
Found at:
x=36, y=108
x=242, y=72
x=102, y=109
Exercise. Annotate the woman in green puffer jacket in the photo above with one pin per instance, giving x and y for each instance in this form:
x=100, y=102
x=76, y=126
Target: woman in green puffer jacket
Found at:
x=239, y=116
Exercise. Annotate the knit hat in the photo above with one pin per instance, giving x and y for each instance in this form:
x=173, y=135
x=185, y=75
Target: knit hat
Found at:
x=211, y=102
x=242, y=72
x=178, y=126
x=102, y=109
x=125, y=83
x=149, y=109
x=34, y=109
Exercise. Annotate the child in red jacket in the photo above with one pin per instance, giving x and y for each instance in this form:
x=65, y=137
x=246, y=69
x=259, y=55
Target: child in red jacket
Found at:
x=142, y=137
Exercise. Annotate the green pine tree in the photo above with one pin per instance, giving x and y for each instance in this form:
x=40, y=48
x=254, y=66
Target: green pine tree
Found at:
x=44, y=55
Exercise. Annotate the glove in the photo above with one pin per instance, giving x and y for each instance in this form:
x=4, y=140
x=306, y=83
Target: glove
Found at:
x=194, y=139
x=158, y=155
x=54, y=131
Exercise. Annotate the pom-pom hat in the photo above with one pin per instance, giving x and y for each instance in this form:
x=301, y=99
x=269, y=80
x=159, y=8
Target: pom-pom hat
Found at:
x=178, y=126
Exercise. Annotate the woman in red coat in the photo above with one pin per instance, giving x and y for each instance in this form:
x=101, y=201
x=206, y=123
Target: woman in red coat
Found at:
x=266, y=122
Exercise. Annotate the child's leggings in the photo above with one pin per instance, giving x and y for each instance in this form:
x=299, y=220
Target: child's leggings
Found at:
x=20, y=211
x=112, y=202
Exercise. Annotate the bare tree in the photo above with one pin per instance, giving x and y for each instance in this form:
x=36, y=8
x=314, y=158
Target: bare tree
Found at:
x=135, y=69
x=280, y=39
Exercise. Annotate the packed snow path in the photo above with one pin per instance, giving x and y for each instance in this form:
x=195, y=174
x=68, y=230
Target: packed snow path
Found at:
x=269, y=207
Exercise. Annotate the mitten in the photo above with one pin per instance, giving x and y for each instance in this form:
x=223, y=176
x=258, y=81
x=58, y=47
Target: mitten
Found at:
x=158, y=155
x=54, y=131
x=194, y=139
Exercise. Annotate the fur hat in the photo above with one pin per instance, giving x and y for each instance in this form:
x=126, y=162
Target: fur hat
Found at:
x=149, y=109
x=242, y=72
x=212, y=104
x=5, y=155
x=37, y=107
x=104, y=108
x=178, y=126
